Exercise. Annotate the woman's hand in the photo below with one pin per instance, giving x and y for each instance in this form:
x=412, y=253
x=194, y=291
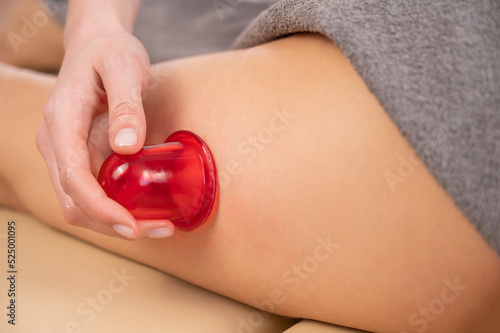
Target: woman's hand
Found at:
x=105, y=68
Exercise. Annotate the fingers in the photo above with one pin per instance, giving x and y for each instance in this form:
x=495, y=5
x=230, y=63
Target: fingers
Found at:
x=109, y=73
x=87, y=206
x=62, y=140
x=124, y=78
x=73, y=202
x=156, y=229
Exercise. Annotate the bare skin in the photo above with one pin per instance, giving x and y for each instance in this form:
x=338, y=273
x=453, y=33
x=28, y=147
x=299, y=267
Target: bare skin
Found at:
x=318, y=178
x=29, y=36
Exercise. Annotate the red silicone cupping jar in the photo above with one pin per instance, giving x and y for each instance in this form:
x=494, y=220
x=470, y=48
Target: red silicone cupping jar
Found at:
x=175, y=180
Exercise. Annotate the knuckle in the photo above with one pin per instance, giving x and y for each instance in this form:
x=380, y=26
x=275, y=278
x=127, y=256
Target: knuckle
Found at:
x=70, y=212
x=125, y=111
x=39, y=140
x=127, y=57
x=70, y=217
x=65, y=179
x=48, y=114
x=124, y=58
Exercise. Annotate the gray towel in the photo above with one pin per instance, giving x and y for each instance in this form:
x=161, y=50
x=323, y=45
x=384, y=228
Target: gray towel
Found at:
x=434, y=65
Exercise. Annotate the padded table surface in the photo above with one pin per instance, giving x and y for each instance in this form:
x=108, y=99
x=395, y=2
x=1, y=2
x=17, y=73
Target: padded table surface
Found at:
x=64, y=285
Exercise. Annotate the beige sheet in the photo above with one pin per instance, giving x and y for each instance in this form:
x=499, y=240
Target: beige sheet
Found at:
x=64, y=285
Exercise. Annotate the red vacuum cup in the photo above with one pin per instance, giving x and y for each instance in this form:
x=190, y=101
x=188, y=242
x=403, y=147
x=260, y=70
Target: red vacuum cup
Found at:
x=175, y=180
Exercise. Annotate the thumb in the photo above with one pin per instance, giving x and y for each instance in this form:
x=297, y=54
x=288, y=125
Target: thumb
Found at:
x=127, y=122
x=127, y=126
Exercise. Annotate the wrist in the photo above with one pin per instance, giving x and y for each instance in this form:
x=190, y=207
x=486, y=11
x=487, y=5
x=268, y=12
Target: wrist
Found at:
x=88, y=19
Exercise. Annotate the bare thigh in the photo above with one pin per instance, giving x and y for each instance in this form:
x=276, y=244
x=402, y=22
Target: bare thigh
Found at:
x=306, y=224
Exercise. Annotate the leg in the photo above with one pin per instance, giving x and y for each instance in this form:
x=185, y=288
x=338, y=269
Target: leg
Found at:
x=21, y=90
x=30, y=36
x=306, y=223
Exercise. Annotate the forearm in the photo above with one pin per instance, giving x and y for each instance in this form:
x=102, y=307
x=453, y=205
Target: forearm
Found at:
x=89, y=18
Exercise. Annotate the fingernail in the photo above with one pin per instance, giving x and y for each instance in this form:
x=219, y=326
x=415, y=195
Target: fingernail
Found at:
x=159, y=232
x=126, y=137
x=124, y=230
